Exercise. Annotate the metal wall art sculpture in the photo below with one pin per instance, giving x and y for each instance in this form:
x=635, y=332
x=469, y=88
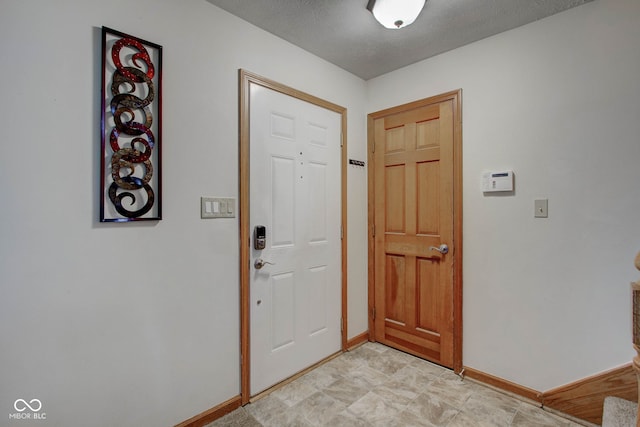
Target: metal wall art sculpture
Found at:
x=131, y=128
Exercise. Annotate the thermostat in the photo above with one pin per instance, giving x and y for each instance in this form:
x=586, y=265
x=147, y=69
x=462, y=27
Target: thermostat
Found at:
x=497, y=181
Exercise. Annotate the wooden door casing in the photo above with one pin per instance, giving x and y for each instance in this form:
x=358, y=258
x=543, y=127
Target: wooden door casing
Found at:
x=414, y=189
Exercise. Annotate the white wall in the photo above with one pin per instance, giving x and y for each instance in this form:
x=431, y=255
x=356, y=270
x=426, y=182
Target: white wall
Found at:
x=134, y=324
x=137, y=324
x=546, y=301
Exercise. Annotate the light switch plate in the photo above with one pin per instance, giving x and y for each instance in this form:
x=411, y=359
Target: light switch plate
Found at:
x=541, y=207
x=217, y=207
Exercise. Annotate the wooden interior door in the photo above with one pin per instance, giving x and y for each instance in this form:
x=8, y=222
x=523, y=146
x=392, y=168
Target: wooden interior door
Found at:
x=416, y=159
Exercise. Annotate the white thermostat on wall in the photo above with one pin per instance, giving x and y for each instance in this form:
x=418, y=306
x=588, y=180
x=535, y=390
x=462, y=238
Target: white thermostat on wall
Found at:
x=497, y=181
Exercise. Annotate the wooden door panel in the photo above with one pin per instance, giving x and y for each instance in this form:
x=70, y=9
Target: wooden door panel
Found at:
x=413, y=209
x=401, y=244
x=414, y=115
x=407, y=157
x=428, y=295
x=394, y=142
x=428, y=195
x=395, y=199
x=395, y=295
x=416, y=341
x=428, y=134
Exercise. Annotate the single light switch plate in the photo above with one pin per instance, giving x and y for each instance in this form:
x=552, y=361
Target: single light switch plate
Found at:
x=217, y=207
x=541, y=207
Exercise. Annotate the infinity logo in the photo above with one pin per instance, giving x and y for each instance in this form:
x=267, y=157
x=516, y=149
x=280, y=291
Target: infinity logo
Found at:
x=26, y=405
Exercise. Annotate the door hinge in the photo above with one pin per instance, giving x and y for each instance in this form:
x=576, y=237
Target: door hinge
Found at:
x=341, y=232
x=341, y=324
x=341, y=139
x=373, y=313
x=373, y=230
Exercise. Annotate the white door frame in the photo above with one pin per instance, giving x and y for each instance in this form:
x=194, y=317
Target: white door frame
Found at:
x=245, y=80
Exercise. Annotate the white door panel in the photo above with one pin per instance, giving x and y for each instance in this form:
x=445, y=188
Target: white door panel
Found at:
x=295, y=193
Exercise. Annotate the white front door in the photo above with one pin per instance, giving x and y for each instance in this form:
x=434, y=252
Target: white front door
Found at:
x=295, y=182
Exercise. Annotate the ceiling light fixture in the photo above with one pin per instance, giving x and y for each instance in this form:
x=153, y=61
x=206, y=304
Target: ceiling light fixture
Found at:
x=395, y=14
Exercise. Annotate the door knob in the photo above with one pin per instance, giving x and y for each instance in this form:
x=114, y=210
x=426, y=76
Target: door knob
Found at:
x=443, y=248
x=261, y=263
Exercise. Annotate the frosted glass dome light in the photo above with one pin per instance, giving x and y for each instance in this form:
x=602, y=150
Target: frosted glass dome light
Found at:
x=395, y=14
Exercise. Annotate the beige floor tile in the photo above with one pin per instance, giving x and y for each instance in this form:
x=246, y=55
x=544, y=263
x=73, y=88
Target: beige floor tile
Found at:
x=295, y=391
x=319, y=408
x=367, y=377
x=346, y=391
x=238, y=418
x=451, y=389
x=386, y=363
x=265, y=409
x=396, y=391
x=373, y=408
x=404, y=419
x=414, y=377
x=465, y=420
x=323, y=376
x=433, y=410
x=347, y=419
x=532, y=416
x=377, y=386
x=428, y=367
x=376, y=346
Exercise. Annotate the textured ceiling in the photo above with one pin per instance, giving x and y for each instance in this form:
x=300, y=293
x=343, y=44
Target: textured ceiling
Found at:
x=345, y=33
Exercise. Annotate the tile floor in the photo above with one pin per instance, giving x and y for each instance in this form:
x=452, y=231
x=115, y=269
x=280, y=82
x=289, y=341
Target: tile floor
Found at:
x=375, y=385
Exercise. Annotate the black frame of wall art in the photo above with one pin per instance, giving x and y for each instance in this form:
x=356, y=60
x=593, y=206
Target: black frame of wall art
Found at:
x=131, y=129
